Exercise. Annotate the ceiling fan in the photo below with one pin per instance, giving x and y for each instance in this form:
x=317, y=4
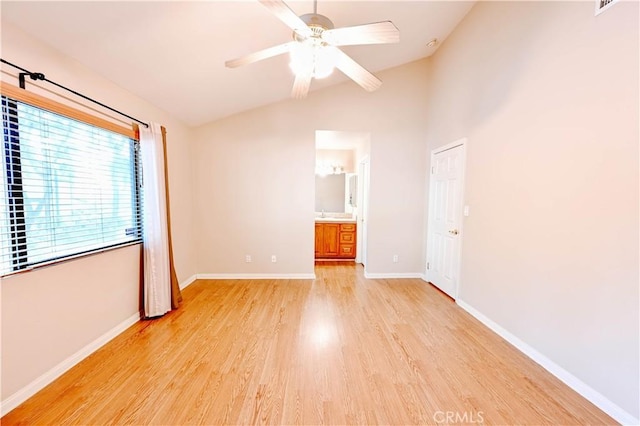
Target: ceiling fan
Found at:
x=314, y=49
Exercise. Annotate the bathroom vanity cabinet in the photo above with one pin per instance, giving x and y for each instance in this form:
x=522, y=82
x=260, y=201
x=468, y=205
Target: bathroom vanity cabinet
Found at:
x=335, y=240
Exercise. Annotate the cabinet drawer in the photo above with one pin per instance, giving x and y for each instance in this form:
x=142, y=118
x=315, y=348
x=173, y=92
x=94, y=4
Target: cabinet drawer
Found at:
x=348, y=250
x=347, y=237
x=347, y=227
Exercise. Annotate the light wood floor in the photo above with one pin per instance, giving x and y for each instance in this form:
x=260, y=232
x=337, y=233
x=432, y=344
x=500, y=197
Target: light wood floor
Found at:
x=337, y=350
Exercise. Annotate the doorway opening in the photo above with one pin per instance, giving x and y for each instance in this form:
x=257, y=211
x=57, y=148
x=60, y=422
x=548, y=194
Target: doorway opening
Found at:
x=341, y=195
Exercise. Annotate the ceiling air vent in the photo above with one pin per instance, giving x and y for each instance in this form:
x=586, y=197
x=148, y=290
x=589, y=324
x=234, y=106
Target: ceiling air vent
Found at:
x=602, y=5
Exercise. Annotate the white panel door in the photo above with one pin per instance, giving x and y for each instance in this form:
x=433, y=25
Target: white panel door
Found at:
x=445, y=208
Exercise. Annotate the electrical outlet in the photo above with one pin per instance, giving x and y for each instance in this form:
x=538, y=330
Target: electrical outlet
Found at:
x=273, y=258
x=395, y=258
x=247, y=258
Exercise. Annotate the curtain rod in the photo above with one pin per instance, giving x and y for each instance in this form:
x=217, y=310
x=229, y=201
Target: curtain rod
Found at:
x=40, y=76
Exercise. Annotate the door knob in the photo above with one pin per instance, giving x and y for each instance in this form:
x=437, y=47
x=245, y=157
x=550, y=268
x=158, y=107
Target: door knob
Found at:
x=453, y=232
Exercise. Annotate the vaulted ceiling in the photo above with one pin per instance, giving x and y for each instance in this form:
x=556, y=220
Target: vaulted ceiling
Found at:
x=172, y=54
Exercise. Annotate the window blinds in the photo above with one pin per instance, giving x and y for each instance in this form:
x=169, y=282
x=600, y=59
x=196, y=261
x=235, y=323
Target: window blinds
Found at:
x=66, y=188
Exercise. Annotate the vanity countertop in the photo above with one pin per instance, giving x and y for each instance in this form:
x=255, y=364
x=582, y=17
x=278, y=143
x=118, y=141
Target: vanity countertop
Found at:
x=335, y=220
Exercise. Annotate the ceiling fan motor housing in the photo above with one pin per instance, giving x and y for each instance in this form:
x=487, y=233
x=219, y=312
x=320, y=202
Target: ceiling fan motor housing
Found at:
x=317, y=23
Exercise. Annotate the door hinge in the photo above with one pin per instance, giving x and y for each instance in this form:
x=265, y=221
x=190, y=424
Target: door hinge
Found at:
x=427, y=265
x=432, y=169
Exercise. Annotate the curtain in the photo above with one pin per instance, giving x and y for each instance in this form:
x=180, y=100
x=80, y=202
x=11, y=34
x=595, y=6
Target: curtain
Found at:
x=176, y=295
x=160, y=290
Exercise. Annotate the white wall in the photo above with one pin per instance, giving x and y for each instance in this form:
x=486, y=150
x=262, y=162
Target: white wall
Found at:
x=547, y=95
x=344, y=158
x=254, y=178
x=51, y=313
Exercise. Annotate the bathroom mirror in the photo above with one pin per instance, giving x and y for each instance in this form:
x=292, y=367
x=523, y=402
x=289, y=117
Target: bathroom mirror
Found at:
x=336, y=193
x=330, y=193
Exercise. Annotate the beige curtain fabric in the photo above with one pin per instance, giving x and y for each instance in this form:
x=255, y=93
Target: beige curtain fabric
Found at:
x=176, y=295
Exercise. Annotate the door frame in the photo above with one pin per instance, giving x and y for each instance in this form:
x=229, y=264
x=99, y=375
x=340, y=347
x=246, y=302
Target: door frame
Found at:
x=364, y=170
x=463, y=143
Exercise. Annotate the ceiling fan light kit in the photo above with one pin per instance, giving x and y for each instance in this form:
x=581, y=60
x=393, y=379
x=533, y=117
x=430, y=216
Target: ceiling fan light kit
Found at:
x=314, y=50
x=320, y=58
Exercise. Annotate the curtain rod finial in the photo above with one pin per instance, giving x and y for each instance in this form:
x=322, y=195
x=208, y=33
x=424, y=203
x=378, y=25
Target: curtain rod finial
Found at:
x=32, y=76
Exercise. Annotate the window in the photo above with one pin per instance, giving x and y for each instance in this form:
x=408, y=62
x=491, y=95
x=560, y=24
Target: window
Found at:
x=67, y=188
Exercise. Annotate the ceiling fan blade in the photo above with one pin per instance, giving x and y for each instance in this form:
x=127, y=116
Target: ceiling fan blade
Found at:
x=356, y=72
x=376, y=33
x=260, y=55
x=302, y=84
x=288, y=16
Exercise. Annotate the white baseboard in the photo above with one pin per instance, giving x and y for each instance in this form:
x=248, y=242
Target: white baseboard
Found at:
x=392, y=275
x=32, y=388
x=184, y=284
x=256, y=276
x=595, y=397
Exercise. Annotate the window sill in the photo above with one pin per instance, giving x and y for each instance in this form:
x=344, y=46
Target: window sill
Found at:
x=67, y=259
